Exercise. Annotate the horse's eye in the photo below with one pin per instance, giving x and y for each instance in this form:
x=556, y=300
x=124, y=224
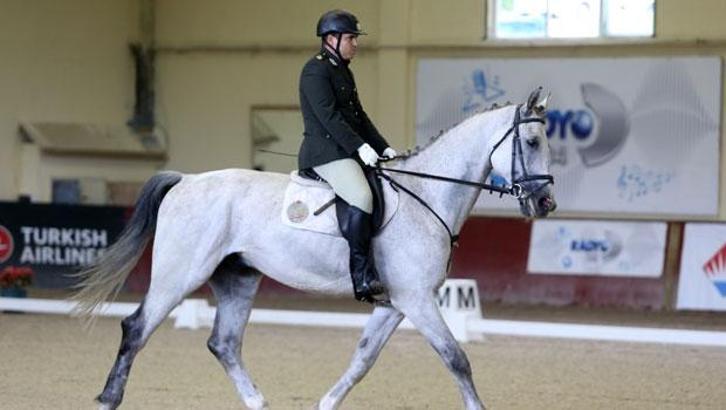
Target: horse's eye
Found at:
x=534, y=142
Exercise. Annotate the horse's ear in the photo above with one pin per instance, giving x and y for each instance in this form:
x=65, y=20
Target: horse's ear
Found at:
x=541, y=106
x=533, y=98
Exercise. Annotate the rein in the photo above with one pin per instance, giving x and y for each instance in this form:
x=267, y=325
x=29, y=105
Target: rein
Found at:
x=515, y=189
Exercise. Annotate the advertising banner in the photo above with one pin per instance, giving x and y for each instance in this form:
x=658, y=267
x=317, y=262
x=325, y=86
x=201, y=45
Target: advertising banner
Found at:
x=56, y=240
x=623, y=249
x=627, y=135
x=702, y=280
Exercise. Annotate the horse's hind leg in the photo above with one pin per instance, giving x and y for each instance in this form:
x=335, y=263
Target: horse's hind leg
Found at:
x=235, y=291
x=136, y=329
x=164, y=294
x=131, y=343
x=383, y=321
x=425, y=315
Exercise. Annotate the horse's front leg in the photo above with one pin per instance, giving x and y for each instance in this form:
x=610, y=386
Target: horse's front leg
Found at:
x=425, y=315
x=383, y=322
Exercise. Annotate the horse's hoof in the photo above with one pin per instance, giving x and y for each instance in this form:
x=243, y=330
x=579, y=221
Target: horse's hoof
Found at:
x=258, y=403
x=106, y=406
x=326, y=403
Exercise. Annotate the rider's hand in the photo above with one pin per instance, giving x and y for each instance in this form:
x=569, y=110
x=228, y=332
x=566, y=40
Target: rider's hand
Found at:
x=368, y=155
x=390, y=153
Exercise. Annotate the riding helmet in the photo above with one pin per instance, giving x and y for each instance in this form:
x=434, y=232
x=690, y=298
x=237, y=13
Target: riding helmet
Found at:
x=338, y=21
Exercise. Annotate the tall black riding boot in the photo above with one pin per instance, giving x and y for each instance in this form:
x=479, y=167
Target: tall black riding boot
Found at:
x=356, y=228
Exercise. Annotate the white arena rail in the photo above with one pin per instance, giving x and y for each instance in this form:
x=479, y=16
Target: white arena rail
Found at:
x=459, y=304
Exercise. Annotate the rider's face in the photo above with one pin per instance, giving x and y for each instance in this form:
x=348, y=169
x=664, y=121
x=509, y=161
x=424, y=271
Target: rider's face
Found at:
x=348, y=45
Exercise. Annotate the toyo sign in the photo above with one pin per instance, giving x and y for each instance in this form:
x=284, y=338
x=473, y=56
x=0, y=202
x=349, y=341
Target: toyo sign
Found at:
x=598, y=131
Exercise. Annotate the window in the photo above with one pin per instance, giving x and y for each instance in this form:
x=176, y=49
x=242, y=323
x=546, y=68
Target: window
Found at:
x=80, y=191
x=542, y=19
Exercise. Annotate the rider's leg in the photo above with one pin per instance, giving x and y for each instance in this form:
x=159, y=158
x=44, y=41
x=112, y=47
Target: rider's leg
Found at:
x=357, y=230
x=347, y=179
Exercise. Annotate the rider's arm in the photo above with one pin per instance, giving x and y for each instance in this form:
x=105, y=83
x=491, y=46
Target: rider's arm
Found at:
x=316, y=88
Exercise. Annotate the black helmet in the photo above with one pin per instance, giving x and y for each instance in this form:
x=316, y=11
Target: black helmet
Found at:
x=338, y=21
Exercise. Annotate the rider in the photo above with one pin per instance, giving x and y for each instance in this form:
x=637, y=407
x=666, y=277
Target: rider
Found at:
x=339, y=139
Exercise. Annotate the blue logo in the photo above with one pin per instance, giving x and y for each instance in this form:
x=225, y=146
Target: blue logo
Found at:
x=577, y=123
x=634, y=182
x=481, y=91
x=590, y=245
x=567, y=262
x=607, y=247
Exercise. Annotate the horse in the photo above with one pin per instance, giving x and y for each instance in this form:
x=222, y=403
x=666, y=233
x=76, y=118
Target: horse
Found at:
x=224, y=228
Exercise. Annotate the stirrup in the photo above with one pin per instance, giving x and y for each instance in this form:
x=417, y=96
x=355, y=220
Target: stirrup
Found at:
x=373, y=289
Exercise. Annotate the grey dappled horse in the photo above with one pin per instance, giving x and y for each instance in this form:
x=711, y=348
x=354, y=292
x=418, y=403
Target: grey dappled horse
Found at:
x=224, y=228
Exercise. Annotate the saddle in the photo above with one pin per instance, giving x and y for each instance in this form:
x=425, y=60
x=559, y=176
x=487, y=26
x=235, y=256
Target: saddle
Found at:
x=309, y=200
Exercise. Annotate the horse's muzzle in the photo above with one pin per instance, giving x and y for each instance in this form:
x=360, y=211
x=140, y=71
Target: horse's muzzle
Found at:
x=547, y=203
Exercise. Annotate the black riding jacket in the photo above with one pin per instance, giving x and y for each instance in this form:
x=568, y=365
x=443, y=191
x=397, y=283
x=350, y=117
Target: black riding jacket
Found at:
x=335, y=123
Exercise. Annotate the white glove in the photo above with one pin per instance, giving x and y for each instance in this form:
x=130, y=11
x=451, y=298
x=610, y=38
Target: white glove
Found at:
x=389, y=153
x=368, y=155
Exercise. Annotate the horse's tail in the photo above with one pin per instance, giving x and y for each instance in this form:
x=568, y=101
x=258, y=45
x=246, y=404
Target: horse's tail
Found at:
x=107, y=275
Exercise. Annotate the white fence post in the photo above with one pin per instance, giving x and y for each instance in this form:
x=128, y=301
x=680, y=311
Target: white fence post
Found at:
x=193, y=314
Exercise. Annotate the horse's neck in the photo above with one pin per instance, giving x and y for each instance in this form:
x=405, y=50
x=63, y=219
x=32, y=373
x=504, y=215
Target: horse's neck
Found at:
x=462, y=153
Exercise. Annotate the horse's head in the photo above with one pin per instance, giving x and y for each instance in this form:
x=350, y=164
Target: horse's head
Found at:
x=523, y=155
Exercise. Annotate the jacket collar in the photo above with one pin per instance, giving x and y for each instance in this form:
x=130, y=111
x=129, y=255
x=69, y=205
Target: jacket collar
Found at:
x=333, y=58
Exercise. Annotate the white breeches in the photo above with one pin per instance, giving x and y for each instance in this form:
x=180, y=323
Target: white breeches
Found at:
x=348, y=181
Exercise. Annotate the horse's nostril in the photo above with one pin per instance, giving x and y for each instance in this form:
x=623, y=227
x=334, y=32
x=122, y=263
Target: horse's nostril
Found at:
x=547, y=203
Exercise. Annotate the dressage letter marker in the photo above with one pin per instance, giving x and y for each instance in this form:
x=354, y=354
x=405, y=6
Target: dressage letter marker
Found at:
x=458, y=300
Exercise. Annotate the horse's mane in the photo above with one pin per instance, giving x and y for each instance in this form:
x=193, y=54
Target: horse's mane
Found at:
x=420, y=148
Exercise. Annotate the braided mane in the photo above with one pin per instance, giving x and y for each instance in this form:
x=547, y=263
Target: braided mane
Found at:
x=419, y=148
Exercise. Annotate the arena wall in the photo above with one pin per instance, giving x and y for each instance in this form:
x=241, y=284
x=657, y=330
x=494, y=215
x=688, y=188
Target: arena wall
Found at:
x=216, y=60
x=62, y=61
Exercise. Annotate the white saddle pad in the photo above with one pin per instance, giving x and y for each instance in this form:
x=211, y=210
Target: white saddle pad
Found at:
x=304, y=196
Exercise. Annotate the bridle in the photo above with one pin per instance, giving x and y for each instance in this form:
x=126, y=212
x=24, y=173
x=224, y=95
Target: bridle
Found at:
x=517, y=156
x=516, y=189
